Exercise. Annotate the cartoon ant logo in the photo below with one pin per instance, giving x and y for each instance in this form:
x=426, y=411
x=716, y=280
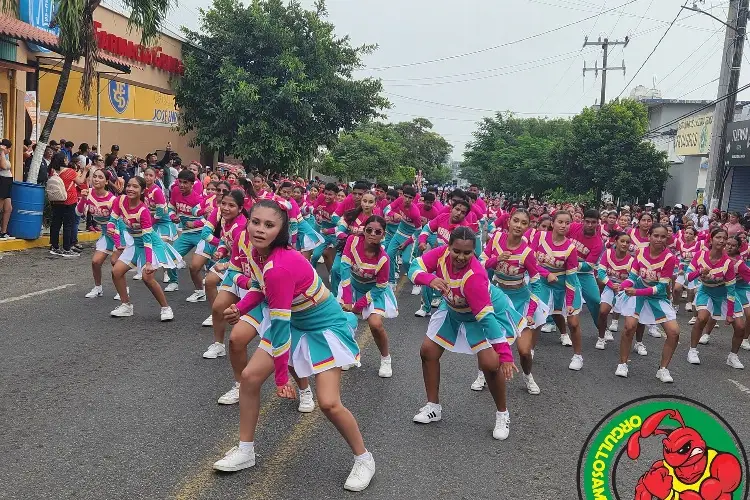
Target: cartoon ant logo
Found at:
x=690, y=469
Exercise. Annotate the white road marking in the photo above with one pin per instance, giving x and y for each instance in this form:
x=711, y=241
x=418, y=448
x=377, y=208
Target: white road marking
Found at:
x=740, y=386
x=34, y=294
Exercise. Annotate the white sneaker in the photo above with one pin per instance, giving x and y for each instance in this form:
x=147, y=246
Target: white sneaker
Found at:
x=614, y=325
x=601, y=344
x=745, y=344
x=531, y=386
x=138, y=276
x=478, y=384
x=416, y=290
x=117, y=295
x=385, y=371
x=565, y=339
x=346, y=368
x=436, y=302
x=165, y=279
x=95, y=292
x=430, y=412
x=232, y=396
x=235, y=460
x=172, y=287
x=734, y=361
x=689, y=307
x=420, y=313
x=361, y=474
x=502, y=426
x=197, y=296
x=215, y=350
x=705, y=338
x=166, y=314
x=576, y=362
x=608, y=337
x=692, y=356
x=622, y=370
x=122, y=311
x=549, y=328
x=208, y=321
x=693, y=320
x=663, y=375
x=306, y=401
x=640, y=348
x=654, y=331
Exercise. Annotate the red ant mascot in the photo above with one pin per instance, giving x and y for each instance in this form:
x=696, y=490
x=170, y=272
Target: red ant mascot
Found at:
x=690, y=470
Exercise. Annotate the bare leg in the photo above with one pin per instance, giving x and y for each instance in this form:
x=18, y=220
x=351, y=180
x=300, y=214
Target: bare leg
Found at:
x=677, y=294
x=739, y=334
x=574, y=322
x=97, y=261
x=153, y=286
x=212, y=287
x=525, y=343
x=603, y=313
x=223, y=300
x=559, y=322
x=302, y=383
x=328, y=257
x=672, y=329
x=118, y=278
x=710, y=326
x=626, y=340
x=430, y=353
x=196, y=267
x=327, y=388
x=639, y=331
x=242, y=334
x=258, y=369
x=489, y=364
x=378, y=333
x=695, y=334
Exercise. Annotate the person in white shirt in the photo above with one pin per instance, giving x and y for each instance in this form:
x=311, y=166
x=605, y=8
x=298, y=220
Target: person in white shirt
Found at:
x=6, y=182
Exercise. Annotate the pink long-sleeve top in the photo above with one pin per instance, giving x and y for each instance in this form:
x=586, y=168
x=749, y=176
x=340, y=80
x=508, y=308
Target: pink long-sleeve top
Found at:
x=560, y=260
x=469, y=291
x=357, y=227
x=651, y=275
x=365, y=269
x=157, y=203
x=720, y=272
x=686, y=251
x=471, y=217
x=207, y=206
x=426, y=215
x=346, y=205
x=637, y=242
x=100, y=207
x=137, y=221
x=186, y=209
x=289, y=284
x=481, y=206
x=589, y=248
x=325, y=214
x=231, y=230
x=409, y=216
x=611, y=270
x=441, y=226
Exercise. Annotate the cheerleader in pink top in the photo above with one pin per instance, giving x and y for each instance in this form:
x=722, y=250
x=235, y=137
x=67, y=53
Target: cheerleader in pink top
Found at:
x=467, y=322
x=639, y=239
x=613, y=269
x=308, y=332
x=364, y=284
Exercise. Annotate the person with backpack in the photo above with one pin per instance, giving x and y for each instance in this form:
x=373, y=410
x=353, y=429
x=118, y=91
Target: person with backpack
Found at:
x=63, y=196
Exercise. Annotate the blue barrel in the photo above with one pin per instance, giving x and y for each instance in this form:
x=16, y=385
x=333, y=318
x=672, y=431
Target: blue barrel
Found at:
x=28, y=210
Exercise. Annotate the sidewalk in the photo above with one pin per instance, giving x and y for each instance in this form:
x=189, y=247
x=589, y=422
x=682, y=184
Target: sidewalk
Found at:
x=18, y=244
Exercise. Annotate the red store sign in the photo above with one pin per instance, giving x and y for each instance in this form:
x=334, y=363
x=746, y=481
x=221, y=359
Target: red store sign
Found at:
x=152, y=56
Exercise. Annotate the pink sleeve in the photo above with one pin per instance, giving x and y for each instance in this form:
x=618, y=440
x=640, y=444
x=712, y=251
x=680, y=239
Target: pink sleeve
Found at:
x=503, y=350
x=571, y=267
x=146, y=227
x=423, y=268
x=695, y=266
x=347, y=296
x=112, y=229
x=381, y=280
x=415, y=216
x=477, y=294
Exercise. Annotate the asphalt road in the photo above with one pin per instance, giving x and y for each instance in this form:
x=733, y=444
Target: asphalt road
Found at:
x=96, y=407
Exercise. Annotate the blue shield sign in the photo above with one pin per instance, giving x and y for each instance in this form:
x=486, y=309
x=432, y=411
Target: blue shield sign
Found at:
x=38, y=13
x=119, y=95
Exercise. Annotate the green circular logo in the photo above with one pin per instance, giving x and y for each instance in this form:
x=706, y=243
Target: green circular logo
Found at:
x=665, y=447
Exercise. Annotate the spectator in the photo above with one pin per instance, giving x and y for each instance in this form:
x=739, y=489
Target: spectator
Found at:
x=43, y=175
x=114, y=151
x=110, y=172
x=93, y=153
x=83, y=152
x=28, y=150
x=122, y=170
x=67, y=148
x=6, y=182
x=63, y=212
x=54, y=145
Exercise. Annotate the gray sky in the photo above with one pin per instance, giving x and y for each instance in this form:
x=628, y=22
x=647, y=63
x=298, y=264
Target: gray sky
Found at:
x=477, y=65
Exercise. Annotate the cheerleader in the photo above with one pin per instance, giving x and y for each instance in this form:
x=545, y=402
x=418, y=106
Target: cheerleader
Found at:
x=324, y=210
x=639, y=239
x=587, y=238
x=716, y=295
x=364, y=284
x=391, y=225
x=467, y=322
x=510, y=259
x=428, y=211
x=316, y=338
x=687, y=246
x=185, y=210
x=352, y=222
x=647, y=302
x=158, y=208
x=406, y=211
x=98, y=202
x=147, y=252
x=308, y=239
x=210, y=237
x=742, y=285
x=561, y=291
x=613, y=269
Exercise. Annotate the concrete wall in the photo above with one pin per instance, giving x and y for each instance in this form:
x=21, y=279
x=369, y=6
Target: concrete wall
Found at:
x=681, y=186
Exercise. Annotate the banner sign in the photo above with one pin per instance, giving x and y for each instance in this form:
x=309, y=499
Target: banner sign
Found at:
x=694, y=135
x=151, y=56
x=38, y=13
x=738, y=144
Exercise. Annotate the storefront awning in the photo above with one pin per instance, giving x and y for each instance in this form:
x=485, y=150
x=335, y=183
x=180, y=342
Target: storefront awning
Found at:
x=19, y=30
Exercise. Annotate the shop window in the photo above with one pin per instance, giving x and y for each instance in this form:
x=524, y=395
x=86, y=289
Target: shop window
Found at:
x=7, y=49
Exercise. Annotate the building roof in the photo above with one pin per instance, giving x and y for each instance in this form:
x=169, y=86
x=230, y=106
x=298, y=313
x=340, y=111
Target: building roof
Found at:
x=19, y=30
x=661, y=102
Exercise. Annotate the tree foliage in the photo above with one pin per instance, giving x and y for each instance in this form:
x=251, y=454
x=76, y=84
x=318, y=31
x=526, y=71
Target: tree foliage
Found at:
x=390, y=152
x=599, y=150
x=271, y=82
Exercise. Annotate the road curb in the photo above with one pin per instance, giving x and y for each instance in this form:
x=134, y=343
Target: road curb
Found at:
x=15, y=245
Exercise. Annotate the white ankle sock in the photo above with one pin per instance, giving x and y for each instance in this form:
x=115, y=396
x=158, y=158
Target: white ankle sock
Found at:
x=364, y=456
x=247, y=445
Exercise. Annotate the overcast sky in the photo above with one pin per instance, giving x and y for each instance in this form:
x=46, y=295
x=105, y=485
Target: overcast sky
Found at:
x=467, y=54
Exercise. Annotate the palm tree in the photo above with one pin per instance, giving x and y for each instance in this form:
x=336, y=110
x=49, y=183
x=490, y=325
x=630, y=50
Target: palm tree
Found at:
x=77, y=40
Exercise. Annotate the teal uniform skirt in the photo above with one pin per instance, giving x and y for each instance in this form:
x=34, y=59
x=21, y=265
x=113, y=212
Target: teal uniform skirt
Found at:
x=714, y=300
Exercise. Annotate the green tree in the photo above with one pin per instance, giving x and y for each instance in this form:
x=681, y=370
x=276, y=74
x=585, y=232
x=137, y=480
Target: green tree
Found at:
x=372, y=151
x=606, y=153
x=424, y=149
x=77, y=41
x=271, y=82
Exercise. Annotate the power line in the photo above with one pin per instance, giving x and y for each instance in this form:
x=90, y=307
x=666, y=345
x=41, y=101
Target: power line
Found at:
x=652, y=52
x=495, y=47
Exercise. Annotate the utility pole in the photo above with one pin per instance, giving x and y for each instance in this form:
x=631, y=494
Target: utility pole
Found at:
x=729, y=78
x=605, y=44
